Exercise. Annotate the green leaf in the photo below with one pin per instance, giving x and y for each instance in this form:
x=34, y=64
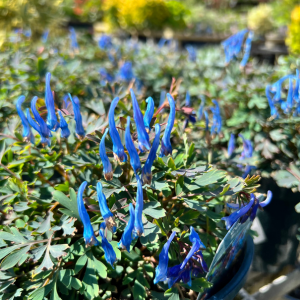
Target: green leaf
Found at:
x=2, y=149
x=80, y=263
x=69, y=203
x=90, y=282
x=58, y=250
x=194, y=204
x=207, y=178
x=14, y=258
x=138, y=290
x=149, y=209
x=15, y=236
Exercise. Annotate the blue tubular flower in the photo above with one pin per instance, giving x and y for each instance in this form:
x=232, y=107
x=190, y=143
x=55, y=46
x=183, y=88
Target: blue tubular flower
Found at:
x=118, y=148
x=105, y=76
x=195, y=240
x=162, y=42
x=247, y=49
x=27, y=134
x=231, y=145
x=51, y=117
x=166, y=147
x=230, y=220
x=126, y=238
x=134, y=157
x=109, y=252
x=274, y=111
x=187, y=99
x=78, y=118
x=45, y=36
x=41, y=127
x=107, y=215
x=126, y=72
x=192, y=53
x=297, y=86
x=267, y=201
x=161, y=270
x=201, y=107
x=65, y=132
x=248, y=149
x=73, y=38
x=143, y=136
x=217, y=119
x=105, y=42
x=107, y=168
x=146, y=172
x=138, y=223
x=206, y=120
x=149, y=113
x=277, y=87
x=289, y=100
x=88, y=233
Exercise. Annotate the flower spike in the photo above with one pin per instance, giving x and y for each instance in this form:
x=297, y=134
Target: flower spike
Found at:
x=27, y=133
x=65, y=132
x=143, y=136
x=78, y=118
x=231, y=145
x=109, y=252
x=146, y=172
x=118, y=148
x=107, y=168
x=51, y=117
x=149, y=113
x=41, y=127
x=88, y=233
x=134, y=157
x=107, y=215
x=126, y=238
x=166, y=147
x=138, y=223
x=161, y=270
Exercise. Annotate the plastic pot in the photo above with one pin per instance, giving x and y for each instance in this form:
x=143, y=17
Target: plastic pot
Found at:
x=231, y=288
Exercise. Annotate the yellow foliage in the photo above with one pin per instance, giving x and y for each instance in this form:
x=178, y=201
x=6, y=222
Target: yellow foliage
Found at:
x=293, y=36
x=260, y=19
x=142, y=14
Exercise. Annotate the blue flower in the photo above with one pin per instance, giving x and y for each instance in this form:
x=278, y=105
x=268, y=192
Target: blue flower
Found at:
x=231, y=145
x=41, y=127
x=233, y=45
x=65, y=132
x=88, y=233
x=175, y=274
x=66, y=101
x=201, y=107
x=118, y=148
x=245, y=211
x=297, y=87
x=274, y=111
x=247, y=48
x=126, y=238
x=78, y=118
x=138, y=223
x=109, y=252
x=195, y=240
x=105, y=42
x=105, y=76
x=134, y=157
x=192, y=53
x=27, y=134
x=143, y=136
x=248, y=149
x=206, y=120
x=217, y=119
x=149, y=113
x=166, y=147
x=146, y=172
x=187, y=99
x=73, y=38
x=126, y=72
x=45, y=36
x=162, y=42
x=107, y=168
x=51, y=116
x=107, y=215
x=161, y=270
x=289, y=100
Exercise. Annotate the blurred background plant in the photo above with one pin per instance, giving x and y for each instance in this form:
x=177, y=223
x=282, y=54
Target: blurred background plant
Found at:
x=293, y=35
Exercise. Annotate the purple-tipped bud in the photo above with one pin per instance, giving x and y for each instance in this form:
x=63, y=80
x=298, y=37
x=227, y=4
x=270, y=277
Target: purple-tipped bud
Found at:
x=107, y=168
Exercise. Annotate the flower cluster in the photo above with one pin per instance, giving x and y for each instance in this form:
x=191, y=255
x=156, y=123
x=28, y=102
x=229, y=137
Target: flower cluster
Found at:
x=274, y=95
x=234, y=44
x=45, y=128
x=193, y=264
x=245, y=211
x=134, y=227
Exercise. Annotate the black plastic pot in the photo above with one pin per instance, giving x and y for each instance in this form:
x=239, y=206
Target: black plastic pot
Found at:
x=228, y=288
